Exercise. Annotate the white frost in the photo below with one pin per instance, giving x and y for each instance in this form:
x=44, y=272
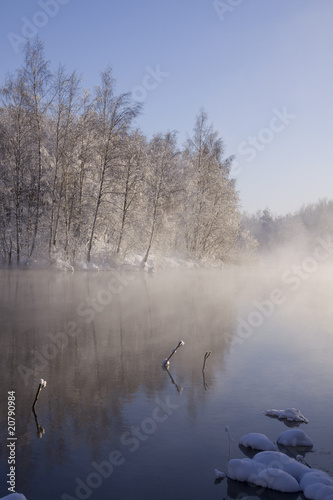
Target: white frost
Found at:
x=257, y=441
x=290, y=414
x=294, y=437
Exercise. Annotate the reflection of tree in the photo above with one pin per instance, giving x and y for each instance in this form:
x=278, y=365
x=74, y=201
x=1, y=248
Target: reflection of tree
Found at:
x=97, y=373
x=206, y=356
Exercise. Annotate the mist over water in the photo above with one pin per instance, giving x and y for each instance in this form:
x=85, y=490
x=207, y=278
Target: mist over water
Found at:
x=99, y=340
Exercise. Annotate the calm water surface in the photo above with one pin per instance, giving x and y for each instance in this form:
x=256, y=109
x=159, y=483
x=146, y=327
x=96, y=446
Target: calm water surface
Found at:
x=113, y=424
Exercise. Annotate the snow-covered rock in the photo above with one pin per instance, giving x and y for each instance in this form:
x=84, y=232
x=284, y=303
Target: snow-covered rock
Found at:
x=277, y=471
x=291, y=414
x=315, y=476
x=294, y=437
x=319, y=491
x=257, y=441
x=219, y=474
x=259, y=474
x=244, y=469
x=281, y=461
x=277, y=479
x=14, y=496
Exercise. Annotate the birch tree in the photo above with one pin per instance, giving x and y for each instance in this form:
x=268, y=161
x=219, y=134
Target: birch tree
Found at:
x=212, y=219
x=15, y=161
x=113, y=118
x=162, y=184
x=130, y=187
x=65, y=133
x=36, y=76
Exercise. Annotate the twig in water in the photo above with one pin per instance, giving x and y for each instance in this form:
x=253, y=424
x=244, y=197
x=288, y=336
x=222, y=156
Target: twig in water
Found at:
x=165, y=362
x=42, y=383
x=208, y=353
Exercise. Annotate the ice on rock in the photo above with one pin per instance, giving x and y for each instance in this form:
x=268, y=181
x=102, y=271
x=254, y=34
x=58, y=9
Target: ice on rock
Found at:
x=290, y=414
x=294, y=437
x=257, y=441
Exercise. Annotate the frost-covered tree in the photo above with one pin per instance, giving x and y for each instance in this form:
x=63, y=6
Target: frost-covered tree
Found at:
x=113, y=118
x=75, y=178
x=212, y=216
x=36, y=76
x=162, y=186
x=64, y=146
x=16, y=155
x=129, y=190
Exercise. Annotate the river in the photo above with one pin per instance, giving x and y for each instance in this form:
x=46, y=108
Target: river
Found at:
x=112, y=423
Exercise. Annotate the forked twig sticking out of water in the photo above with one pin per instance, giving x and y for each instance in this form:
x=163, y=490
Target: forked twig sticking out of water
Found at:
x=42, y=384
x=165, y=362
x=206, y=356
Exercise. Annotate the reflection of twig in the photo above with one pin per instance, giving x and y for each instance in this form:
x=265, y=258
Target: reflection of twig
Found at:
x=207, y=354
x=179, y=389
x=40, y=429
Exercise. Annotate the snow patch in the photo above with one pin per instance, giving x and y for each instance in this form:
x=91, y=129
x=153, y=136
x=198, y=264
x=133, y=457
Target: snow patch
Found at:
x=281, y=461
x=219, y=474
x=290, y=414
x=277, y=479
x=244, y=469
x=277, y=471
x=319, y=491
x=247, y=470
x=294, y=437
x=14, y=496
x=257, y=441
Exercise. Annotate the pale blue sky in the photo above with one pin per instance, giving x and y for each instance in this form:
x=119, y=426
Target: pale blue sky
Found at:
x=263, y=70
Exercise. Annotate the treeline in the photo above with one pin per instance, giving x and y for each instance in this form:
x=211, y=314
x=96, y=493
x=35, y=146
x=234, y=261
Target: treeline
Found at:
x=298, y=230
x=80, y=182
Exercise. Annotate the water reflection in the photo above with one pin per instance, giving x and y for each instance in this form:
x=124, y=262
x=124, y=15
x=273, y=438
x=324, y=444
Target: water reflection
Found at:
x=101, y=353
x=40, y=429
x=179, y=389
